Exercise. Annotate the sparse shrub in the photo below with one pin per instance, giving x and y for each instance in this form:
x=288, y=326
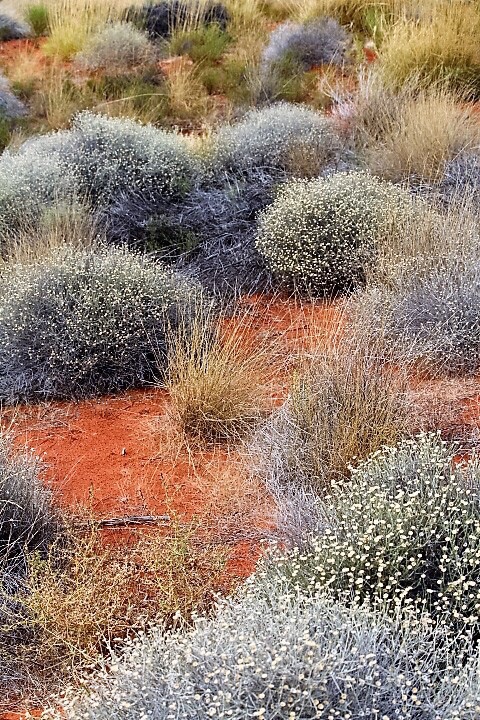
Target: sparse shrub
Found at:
x=12, y=28
x=432, y=317
x=286, y=656
x=118, y=47
x=348, y=405
x=160, y=20
x=38, y=18
x=283, y=137
x=10, y=106
x=320, y=235
x=217, y=378
x=315, y=43
x=402, y=532
x=85, y=322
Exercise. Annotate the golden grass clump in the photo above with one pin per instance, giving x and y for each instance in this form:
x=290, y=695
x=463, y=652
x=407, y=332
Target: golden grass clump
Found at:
x=440, y=47
x=218, y=378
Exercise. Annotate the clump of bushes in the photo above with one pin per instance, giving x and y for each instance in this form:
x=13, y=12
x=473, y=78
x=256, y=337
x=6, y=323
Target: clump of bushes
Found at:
x=402, y=532
x=119, y=47
x=84, y=322
x=160, y=20
x=281, y=138
x=286, y=656
x=320, y=235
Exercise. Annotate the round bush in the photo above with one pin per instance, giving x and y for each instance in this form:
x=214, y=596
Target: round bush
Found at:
x=10, y=105
x=86, y=322
x=163, y=18
x=283, y=657
x=314, y=43
x=403, y=533
x=321, y=234
x=281, y=138
x=12, y=28
x=117, y=47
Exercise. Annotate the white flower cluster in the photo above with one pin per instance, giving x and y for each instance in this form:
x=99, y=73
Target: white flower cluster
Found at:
x=403, y=533
x=281, y=137
x=322, y=233
x=97, y=160
x=85, y=322
x=116, y=47
x=286, y=657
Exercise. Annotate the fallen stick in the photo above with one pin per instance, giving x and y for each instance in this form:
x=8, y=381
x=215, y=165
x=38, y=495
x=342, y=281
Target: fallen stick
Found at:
x=128, y=521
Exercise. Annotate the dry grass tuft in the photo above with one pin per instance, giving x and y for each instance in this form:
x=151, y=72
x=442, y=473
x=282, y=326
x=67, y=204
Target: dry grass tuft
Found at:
x=218, y=377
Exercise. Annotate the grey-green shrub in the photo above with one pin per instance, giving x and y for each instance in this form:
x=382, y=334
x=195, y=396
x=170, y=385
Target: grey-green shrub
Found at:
x=321, y=234
x=84, y=322
x=116, y=47
x=13, y=28
x=403, y=533
x=281, y=138
x=278, y=655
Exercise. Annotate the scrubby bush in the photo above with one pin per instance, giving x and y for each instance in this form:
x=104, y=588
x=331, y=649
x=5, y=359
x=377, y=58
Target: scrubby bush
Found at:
x=403, y=532
x=162, y=19
x=117, y=47
x=10, y=106
x=433, y=317
x=321, y=234
x=12, y=28
x=315, y=43
x=94, y=162
x=283, y=137
x=284, y=657
x=85, y=322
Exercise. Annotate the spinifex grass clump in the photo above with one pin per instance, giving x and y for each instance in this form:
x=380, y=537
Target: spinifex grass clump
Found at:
x=321, y=235
x=314, y=43
x=280, y=655
x=84, y=322
x=282, y=138
x=402, y=532
x=217, y=377
x=116, y=48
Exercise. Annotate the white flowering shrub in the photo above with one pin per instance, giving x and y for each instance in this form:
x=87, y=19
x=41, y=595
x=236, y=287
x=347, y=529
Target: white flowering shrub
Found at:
x=283, y=657
x=317, y=42
x=281, y=138
x=114, y=155
x=403, y=532
x=322, y=233
x=116, y=47
x=86, y=322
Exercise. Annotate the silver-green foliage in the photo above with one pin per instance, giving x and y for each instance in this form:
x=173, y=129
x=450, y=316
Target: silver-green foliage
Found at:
x=322, y=233
x=281, y=138
x=403, y=532
x=117, y=46
x=278, y=656
x=85, y=322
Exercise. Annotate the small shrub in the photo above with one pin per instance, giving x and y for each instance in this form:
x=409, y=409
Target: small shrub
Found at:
x=216, y=378
x=204, y=44
x=281, y=657
x=85, y=322
x=402, y=532
x=12, y=28
x=320, y=235
x=10, y=106
x=315, y=43
x=160, y=20
x=118, y=47
x=38, y=18
x=281, y=138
